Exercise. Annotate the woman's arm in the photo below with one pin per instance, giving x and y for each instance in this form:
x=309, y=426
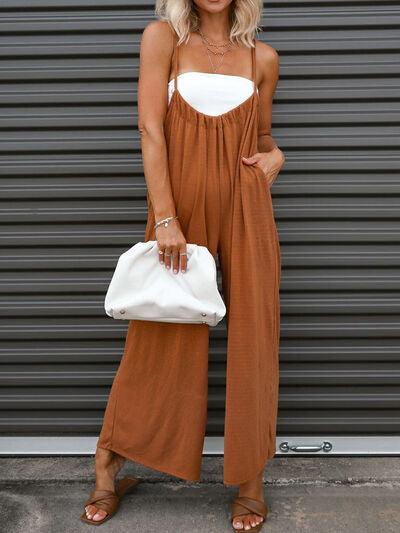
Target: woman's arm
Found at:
x=269, y=62
x=269, y=156
x=156, y=48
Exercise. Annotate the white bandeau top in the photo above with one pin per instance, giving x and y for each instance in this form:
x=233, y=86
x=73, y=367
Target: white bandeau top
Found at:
x=212, y=93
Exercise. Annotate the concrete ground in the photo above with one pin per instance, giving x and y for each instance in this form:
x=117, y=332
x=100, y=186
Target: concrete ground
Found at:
x=305, y=494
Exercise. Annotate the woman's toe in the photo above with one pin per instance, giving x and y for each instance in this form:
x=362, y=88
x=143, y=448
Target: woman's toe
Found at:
x=257, y=519
x=237, y=523
x=90, y=511
x=247, y=523
x=95, y=514
x=99, y=515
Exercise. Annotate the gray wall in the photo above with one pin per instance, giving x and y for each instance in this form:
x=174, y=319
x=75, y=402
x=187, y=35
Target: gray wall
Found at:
x=73, y=198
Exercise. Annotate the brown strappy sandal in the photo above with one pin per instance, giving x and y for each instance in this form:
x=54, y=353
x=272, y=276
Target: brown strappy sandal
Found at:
x=107, y=500
x=243, y=505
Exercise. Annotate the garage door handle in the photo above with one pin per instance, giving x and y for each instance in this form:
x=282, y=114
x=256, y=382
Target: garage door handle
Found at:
x=325, y=447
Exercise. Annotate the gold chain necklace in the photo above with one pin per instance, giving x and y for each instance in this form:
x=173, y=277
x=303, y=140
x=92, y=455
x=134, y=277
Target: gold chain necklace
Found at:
x=209, y=45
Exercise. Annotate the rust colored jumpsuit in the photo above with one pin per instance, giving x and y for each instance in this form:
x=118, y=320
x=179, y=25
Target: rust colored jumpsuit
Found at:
x=157, y=409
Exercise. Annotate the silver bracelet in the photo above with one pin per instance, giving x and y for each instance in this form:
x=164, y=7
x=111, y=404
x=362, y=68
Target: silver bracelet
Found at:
x=164, y=222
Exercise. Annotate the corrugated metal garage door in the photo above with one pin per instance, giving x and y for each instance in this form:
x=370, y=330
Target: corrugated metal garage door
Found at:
x=73, y=198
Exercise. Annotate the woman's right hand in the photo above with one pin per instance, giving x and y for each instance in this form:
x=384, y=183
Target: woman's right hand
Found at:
x=172, y=243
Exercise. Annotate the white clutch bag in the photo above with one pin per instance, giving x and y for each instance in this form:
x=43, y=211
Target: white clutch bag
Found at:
x=142, y=288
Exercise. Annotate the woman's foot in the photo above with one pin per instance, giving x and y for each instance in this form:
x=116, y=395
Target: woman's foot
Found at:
x=252, y=489
x=108, y=464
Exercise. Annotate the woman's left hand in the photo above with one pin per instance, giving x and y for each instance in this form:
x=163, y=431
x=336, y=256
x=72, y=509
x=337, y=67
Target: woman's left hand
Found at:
x=269, y=162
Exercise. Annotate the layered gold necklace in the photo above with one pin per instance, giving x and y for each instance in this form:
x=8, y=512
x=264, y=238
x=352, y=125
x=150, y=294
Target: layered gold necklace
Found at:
x=217, y=49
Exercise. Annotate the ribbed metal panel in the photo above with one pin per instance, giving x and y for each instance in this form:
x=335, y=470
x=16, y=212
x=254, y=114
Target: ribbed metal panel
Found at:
x=73, y=198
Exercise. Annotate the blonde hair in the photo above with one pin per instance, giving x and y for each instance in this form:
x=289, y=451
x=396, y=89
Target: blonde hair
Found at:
x=183, y=17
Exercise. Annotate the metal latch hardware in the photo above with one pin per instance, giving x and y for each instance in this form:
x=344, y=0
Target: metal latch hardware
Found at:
x=326, y=446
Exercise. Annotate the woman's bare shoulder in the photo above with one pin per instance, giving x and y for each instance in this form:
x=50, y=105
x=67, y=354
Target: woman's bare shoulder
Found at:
x=267, y=60
x=158, y=31
x=266, y=52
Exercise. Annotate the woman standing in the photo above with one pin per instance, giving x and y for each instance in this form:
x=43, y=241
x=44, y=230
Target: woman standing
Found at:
x=205, y=104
